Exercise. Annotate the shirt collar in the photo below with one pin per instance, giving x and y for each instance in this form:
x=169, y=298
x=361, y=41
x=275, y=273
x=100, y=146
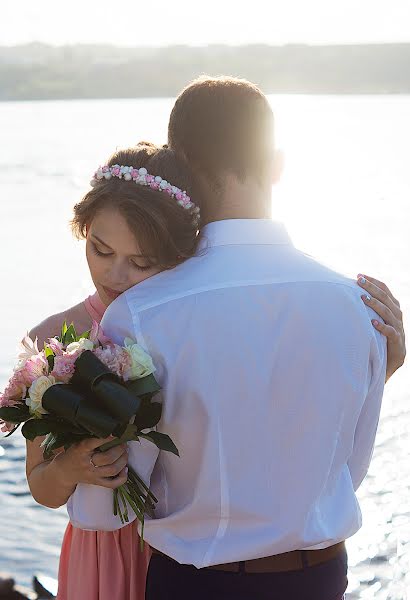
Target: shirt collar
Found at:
x=231, y=232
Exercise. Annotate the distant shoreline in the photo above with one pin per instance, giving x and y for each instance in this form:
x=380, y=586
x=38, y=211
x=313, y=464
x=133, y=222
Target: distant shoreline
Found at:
x=166, y=97
x=91, y=72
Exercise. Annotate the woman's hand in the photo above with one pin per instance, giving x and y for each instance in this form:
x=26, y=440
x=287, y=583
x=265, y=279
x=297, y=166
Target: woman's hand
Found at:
x=382, y=301
x=83, y=463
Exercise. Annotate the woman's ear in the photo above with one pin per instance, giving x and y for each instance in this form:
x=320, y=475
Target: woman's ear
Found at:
x=277, y=166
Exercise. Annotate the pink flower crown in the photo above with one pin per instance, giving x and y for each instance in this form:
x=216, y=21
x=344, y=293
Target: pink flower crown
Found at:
x=142, y=177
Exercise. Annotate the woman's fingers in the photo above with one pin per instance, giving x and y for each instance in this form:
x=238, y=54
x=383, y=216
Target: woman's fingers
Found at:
x=390, y=332
x=382, y=310
x=381, y=298
x=379, y=284
x=91, y=444
x=113, y=469
x=114, y=482
x=101, y=459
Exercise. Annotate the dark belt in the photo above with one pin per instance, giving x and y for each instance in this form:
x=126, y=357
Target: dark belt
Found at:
x=288, y=561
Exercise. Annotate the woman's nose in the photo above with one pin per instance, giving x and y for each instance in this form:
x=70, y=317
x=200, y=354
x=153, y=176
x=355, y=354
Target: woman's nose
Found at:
x=118, y=274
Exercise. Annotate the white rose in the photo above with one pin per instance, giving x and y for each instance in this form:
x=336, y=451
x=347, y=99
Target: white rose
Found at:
x=80, y=346
x=141, y=362
x=36, y=392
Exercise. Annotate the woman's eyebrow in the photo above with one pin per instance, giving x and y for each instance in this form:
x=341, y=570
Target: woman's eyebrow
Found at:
x=100, y=240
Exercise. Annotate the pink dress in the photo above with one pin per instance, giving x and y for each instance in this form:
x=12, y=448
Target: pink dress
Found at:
x=102, y=565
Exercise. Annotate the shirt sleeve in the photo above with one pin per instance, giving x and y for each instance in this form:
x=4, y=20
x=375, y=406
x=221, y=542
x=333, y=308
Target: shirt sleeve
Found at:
x=90, y=507
x=366, y=428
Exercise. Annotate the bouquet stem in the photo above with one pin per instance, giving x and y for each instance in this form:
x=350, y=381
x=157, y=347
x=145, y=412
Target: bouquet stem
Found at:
x=136, y=494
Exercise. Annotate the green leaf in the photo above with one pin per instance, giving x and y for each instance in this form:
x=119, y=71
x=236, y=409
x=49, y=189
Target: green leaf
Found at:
x=85, y=335
x=15, y=414
x=161, y=440
x=63, y=330
x=148, y=415
x=39, y=427
x=146, y=385
x=70, y=335
x=49, y=356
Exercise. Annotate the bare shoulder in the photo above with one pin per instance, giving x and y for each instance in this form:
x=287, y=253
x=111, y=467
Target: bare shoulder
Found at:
x=51, y=326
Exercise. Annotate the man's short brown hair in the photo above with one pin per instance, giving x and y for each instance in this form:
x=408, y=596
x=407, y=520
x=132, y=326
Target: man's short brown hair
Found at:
x=222, y=125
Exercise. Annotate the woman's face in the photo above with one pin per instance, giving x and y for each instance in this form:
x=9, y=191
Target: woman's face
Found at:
x=113, y=256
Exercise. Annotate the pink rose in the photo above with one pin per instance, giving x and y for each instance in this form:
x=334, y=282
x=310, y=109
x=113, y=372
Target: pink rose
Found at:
x=35, y=367
x=116, y=171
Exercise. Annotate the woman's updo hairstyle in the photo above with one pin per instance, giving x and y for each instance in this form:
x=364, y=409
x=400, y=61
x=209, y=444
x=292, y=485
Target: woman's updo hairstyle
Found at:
x=166, y=232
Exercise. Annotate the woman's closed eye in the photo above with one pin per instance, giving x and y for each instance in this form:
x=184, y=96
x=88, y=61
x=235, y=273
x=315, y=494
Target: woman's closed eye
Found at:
x=106, y=254
x=140, y=267
x=98, y=252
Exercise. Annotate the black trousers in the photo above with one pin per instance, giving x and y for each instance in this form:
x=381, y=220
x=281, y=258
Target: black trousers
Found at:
x=168, y=580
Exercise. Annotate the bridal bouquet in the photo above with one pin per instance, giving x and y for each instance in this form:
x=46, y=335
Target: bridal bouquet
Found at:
x=82, y=386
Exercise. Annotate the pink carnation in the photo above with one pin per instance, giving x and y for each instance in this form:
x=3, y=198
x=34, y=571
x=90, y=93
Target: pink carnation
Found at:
x=64, y=367
x=114, y=357
x=15, y=391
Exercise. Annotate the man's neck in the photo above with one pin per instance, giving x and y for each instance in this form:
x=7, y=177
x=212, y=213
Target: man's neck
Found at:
x=239, y=201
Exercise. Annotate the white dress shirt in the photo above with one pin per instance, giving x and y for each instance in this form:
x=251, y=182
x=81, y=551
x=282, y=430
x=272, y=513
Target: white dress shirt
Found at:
x=272, y=378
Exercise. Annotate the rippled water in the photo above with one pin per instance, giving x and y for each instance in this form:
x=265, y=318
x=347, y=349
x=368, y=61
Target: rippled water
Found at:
x=345, y=198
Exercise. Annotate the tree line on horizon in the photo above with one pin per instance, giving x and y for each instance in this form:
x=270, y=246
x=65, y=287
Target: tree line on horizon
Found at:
x=40, y=72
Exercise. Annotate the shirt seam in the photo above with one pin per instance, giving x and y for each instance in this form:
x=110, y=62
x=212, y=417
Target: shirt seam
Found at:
x=204, y=289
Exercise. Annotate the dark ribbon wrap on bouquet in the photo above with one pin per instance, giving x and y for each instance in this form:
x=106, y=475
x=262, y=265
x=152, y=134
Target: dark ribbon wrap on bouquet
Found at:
x=95, y=399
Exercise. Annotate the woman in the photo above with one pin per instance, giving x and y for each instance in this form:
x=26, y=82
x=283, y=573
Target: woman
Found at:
x=132, y=232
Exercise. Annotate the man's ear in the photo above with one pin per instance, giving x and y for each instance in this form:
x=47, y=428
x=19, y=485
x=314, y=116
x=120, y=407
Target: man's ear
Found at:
x=277, y=166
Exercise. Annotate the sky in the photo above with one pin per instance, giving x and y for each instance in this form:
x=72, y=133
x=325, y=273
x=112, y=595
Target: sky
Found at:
x=167, y=22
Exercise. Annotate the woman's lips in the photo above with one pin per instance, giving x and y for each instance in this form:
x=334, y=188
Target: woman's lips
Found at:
x=111, y=293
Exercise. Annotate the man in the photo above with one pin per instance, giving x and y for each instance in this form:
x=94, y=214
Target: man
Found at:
x=272, y=377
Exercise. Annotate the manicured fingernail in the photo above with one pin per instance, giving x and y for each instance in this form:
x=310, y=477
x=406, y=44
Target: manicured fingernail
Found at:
x=366, y=297
x=362, y=280
x=375, y=323
x=126, y=469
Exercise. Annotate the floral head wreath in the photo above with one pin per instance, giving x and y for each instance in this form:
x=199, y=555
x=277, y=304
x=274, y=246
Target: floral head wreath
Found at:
x=142, y=177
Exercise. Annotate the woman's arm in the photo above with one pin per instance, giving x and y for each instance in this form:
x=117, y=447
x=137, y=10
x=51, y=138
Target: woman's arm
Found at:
x=382, y=301
x=52, y=482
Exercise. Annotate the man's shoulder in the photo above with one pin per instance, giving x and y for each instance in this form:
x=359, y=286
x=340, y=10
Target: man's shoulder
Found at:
x=313, y=269
x=165, y=286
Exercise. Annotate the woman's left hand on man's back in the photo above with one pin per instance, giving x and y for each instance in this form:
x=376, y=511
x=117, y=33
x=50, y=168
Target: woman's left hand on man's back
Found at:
x=388, y=308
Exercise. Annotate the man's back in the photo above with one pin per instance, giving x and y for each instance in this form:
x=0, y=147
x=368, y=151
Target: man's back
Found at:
x=272, y=379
